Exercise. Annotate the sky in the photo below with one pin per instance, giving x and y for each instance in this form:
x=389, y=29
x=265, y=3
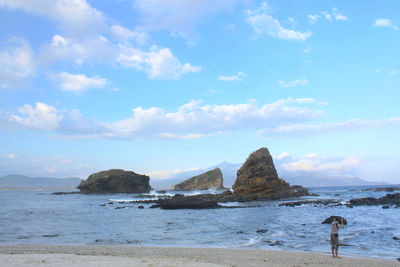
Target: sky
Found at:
x=162, y=87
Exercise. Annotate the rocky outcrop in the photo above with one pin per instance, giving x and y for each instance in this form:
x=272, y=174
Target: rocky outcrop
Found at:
x=383, y=189
x=207, y=180
x=115, y=181
x=257, y=179
x=389, y=199
x=181, y=202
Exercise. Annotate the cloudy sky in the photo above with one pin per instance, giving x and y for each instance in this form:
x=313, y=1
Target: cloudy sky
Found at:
x=160, y=87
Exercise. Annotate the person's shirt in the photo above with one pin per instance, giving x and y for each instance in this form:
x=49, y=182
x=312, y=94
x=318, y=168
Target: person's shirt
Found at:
x=335, y=227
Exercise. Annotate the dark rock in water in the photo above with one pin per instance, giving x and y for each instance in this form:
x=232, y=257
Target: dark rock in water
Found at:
x=314, y=195
x=257, y=179
x=207, y=180
x=111, y=203
x=336, y=195
x=50, y=235
x=383, y=189
x=396, y=238
x=385, y=207
x=102, y=205
x=115, y=181
x=262, y=231
x=389, y=199
x=330, y=220
x=65, y=193
x=240, y=232
x=323, y=202
x=123, y=207
x=181, y=202
x=141, y=207
x=161, y=191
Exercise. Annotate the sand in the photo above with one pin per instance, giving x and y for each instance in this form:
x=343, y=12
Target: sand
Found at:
x=52, y=255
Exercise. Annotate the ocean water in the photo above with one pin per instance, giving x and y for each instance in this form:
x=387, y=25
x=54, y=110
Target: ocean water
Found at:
x=37, y=217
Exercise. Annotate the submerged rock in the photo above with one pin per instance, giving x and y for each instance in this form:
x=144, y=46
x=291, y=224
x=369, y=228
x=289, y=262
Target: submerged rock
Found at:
x=258, y=179
x=115, y=181
x=389, y=199
x=208, y=180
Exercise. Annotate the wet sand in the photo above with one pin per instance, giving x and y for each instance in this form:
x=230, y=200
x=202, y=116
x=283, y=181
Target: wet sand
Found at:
x=55, y=255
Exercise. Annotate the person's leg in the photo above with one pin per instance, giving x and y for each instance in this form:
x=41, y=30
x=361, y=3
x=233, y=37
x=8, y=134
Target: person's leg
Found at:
x=333, y=255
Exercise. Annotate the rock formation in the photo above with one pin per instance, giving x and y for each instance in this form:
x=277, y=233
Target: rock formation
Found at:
x=257, y=179
x=115, y=181
x=207, y=180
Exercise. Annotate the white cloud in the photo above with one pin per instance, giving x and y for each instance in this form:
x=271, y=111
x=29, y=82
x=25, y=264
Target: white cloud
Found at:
x=191, y=120
x=76, y=17
x=334, y=15
x=283, y=155
x=41, y=117
x=385, y=23
x=124, y=34
x=316, y=163
x=307, y=130
x=79, y=82
x=97, y=49
x=238, y=77
x=17, y=63
x=294, y=83
x=158, y=62
x=313, y=18
x=263, y=22
x=10, y=156
x=180, y=17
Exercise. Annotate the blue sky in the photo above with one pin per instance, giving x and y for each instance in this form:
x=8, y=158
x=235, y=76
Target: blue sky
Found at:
x=160, y=87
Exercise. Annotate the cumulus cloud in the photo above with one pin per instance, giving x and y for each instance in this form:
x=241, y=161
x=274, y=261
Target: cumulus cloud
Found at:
x=76, y=17
x=262, y=22
x=234, y=78
x=294, y=83
x=308, y=130
x=88, y=38
x=180, y=17
x=333, y=15
x=191, y=120
x=41, y=117
x=17, y=63
x=78, y=82
x=381, y=22
x=317, y=163
x=158, y=62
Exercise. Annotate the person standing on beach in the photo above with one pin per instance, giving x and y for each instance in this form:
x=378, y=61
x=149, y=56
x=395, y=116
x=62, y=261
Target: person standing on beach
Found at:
x=335, y=236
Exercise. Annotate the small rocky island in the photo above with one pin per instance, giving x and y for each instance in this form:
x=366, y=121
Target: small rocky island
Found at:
x=257, y=179
x=115, y=181
x=208, y=180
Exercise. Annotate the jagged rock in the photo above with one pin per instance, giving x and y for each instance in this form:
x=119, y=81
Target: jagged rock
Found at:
x=330, y=220
x=389, y=199
x=115, y=181
x=207, y=180
x=383, y=189
x=257, y=179
x=181, y=202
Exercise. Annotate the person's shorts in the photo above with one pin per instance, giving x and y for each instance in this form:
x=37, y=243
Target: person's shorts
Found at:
x=334, y=241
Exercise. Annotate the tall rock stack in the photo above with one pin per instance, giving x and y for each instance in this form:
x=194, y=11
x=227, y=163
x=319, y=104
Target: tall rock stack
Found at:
x=258, y=179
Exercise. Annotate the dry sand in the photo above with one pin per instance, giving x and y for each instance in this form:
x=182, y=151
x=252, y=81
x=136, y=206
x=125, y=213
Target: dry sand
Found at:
x=42, y=255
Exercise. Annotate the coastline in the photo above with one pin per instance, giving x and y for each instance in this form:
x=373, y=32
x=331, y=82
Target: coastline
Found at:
x=93, y=255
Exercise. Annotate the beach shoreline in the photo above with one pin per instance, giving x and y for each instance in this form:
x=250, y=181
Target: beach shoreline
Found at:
x=94, y=255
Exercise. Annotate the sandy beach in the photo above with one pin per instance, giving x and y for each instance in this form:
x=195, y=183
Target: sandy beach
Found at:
x=52, y=255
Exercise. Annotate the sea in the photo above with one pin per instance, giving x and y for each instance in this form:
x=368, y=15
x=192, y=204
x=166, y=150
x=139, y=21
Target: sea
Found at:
x=38, y=217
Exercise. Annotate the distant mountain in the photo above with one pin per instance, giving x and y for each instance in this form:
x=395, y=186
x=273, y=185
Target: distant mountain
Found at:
x=307, y=179
x=21, y=181
x=311, y=179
